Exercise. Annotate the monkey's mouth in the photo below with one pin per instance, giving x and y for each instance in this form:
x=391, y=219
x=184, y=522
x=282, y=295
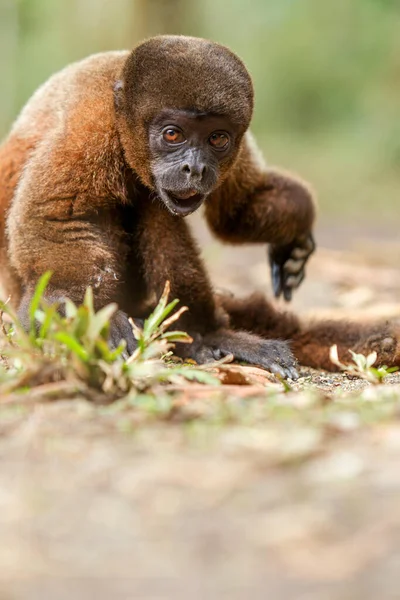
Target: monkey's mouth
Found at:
x=182, y=202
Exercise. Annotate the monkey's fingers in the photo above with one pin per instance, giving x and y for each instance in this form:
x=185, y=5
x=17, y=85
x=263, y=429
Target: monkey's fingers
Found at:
x=276, y=276
x=285, y=280
x=292, y=280
x=273, y=355
x=294, y=267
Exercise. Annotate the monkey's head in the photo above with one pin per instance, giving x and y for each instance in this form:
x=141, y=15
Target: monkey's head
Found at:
x=183, y=106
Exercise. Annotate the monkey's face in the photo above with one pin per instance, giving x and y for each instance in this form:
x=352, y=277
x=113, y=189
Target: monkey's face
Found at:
x=188, y=150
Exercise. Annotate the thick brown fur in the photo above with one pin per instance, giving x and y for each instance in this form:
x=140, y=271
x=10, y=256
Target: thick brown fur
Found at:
x=311, y=340
x=77, y=196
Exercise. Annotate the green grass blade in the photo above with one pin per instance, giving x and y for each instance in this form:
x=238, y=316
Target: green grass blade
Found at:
x=81, y=322
x=88, y=301
x=100, y=321
x=36, y=300
x=107, y=354
x=50, y=317
x=70, y=309
x=158, y=315
x=6, y=309
x=73, y=345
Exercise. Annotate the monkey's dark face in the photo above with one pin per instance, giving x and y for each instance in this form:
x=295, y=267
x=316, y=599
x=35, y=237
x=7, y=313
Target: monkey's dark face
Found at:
x=187, y=150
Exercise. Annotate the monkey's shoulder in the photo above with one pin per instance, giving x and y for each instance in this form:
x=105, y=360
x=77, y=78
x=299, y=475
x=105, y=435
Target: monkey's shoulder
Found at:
x=81, y=92
x=70, y=125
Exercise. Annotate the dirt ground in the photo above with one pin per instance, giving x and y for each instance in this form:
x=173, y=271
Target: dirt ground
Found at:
x=240, y=491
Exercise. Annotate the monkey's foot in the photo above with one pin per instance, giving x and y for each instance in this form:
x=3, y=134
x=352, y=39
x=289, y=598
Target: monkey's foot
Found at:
x=385, y=342
x=273, y=355
x=312, y=343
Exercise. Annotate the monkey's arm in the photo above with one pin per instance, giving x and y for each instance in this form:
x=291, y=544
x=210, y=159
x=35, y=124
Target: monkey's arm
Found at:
x=63, y=220
x=169, y=252
x=258, y=204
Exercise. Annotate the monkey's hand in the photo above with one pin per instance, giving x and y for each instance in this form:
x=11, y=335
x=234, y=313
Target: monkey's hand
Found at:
x=121, y=329
x=288, y=265
x=273, y=355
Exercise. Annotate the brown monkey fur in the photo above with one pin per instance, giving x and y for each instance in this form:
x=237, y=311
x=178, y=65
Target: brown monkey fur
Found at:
x=77, y=197
x=311, y=341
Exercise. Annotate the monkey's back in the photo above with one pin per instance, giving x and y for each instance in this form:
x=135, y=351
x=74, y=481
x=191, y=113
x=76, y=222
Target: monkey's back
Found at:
x=80, y=93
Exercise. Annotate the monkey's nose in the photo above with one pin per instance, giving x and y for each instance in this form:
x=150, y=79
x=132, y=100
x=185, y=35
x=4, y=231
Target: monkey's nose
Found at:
x=194, y=170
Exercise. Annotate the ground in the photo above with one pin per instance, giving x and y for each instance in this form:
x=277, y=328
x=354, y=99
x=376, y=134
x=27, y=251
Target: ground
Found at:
x=239, y=490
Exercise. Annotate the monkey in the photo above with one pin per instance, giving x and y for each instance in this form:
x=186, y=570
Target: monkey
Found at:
x=311, y=341
x=101, y=168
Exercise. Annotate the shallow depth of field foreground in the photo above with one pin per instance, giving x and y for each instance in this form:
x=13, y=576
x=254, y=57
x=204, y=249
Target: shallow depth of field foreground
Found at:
x=193, y=490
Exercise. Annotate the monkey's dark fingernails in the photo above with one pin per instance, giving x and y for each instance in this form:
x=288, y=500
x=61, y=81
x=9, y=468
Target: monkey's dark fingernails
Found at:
x=284, y=372
x=287, y=293
x=276, y=279
x=278, y=370
x=291, y=373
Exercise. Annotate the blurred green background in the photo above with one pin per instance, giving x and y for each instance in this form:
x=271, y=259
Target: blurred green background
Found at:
x=326, y=73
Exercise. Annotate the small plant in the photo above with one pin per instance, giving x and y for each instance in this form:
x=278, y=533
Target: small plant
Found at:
x=363, y=366
x=74, y=348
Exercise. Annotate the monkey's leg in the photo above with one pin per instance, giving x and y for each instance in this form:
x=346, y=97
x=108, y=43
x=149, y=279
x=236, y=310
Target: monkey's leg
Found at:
x=169, y=253
x=311, y=342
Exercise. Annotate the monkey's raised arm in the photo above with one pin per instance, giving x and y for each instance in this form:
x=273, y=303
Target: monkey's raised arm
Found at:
x=258, y=204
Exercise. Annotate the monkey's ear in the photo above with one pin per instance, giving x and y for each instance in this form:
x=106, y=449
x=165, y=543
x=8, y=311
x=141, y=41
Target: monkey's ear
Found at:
x=118, y=94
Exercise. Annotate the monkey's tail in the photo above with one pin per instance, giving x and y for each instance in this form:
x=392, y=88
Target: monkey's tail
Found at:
x=311, y=340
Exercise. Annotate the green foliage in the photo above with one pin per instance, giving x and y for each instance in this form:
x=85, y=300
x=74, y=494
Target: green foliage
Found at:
x=152, y=338
x=363, y=366
x=75, y=347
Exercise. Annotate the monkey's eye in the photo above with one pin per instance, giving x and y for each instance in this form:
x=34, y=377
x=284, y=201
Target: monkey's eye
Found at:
x=173, y=136
x=219, y=141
